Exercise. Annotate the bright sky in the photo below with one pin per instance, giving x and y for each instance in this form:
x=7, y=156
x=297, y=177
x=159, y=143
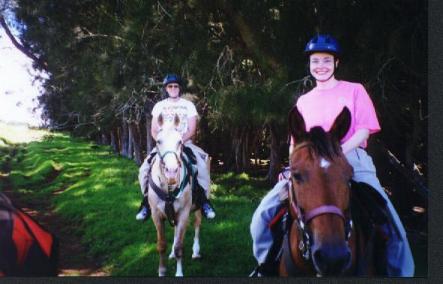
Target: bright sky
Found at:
x=18, y=94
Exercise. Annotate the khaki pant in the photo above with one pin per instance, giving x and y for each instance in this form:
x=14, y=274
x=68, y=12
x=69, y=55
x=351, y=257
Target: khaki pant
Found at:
x=203, y=163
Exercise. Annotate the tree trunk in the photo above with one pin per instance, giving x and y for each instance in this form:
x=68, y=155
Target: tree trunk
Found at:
x=104, y=139
x=275, y=159
x=124, y=139
x=149, y=139
x=130, y=140
x=246, y=162
x=237, y=149
x=114, y=140
x=136, y=142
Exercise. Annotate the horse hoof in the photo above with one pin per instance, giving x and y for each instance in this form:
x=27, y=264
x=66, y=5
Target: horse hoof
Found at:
x=196, y=256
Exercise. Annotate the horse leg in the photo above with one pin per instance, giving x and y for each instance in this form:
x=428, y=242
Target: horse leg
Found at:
x=161, y=244
x=196, y=245
x=178, y=247
x=172, y=254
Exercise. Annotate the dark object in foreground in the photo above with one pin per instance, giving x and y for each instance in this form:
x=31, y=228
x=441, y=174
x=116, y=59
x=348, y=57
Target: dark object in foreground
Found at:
x=27, y=249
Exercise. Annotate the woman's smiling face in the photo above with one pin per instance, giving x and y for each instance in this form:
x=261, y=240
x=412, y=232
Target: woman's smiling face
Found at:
x=322, y=66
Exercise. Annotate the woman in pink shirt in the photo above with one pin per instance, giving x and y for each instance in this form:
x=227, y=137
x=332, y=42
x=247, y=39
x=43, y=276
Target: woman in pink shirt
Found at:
x=320, y=107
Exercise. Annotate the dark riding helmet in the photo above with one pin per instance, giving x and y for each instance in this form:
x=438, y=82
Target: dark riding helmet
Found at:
x=172, y=78
x=323, y=43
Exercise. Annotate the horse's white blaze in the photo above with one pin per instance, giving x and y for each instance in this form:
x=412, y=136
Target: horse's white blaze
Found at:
x=324, y=163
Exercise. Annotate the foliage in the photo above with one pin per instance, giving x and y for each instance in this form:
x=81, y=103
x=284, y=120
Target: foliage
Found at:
x=243, y=62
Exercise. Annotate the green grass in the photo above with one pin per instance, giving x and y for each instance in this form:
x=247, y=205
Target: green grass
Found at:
x=98, y=194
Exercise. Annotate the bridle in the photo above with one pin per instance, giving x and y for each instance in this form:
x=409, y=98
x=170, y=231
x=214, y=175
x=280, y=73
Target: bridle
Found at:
x=173, y=192
x=302, y=219
x=163, y=155
x=178, y=188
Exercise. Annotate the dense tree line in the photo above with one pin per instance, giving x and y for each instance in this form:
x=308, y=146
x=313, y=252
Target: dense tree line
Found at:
x=243, y=64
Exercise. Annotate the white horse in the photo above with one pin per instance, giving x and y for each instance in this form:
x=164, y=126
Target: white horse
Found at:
x=170, y=195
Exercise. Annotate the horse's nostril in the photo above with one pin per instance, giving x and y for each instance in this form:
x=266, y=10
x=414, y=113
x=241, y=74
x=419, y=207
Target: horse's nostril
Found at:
x=318, y=257
x=332, y=261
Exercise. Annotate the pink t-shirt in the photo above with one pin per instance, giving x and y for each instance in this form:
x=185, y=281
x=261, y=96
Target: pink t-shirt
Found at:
x=321, y=107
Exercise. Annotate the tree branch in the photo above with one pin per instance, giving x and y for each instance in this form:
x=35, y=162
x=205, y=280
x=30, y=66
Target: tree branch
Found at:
x=40, y=63
x=249, y=38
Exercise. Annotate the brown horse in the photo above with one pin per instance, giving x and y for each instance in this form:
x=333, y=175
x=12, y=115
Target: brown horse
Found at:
x=321, y=239
x=170, y=195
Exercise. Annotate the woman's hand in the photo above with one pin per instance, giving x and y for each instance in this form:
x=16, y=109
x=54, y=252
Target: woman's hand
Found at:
x=356, y=140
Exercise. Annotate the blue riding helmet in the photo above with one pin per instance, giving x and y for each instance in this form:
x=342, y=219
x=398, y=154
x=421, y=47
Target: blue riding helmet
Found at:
x=172, y=78
x=323, y=43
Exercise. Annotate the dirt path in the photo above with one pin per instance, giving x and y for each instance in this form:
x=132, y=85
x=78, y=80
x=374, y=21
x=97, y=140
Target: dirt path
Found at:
x=73, y=260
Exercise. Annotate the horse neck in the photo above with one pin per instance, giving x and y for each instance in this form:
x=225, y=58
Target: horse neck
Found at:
x=302, y=266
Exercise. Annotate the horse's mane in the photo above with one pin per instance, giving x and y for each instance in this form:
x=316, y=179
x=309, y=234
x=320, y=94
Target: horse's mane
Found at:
x=321, y=143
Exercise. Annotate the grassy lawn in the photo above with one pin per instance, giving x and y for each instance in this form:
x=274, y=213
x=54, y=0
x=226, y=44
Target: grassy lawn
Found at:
x=98, y=193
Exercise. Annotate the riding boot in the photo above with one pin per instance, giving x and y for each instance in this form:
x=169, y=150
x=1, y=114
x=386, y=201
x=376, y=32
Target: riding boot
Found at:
x=203, y=202
x=269, y=268
x=144, y=211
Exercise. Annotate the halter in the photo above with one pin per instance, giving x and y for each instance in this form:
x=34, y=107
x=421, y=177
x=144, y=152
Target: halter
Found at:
x=303, y=220
x=162, y=156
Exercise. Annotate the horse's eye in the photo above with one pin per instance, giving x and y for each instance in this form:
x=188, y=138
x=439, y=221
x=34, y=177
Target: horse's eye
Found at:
x=297, y=176
x=159, y=142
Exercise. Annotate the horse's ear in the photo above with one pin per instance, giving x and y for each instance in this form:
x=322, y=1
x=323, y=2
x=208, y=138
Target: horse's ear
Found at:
x=297, y=126
x=176, y=120
x=160, y=120
x=341, y=124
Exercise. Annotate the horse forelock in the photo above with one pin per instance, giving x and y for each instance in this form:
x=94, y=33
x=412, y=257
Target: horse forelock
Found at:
x=319, y=145
x=323, y=144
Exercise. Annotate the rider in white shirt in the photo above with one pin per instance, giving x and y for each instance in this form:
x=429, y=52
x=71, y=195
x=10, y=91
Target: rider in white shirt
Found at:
x=188, y=115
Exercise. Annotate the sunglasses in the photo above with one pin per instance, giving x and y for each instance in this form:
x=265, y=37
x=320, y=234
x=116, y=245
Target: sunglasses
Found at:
x=175, y=86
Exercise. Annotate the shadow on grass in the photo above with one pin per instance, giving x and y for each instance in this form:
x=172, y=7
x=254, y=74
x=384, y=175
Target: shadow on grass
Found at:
x=97, y=192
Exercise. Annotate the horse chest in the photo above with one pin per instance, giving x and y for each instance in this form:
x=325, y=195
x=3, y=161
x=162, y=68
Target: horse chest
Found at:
x=179, y=204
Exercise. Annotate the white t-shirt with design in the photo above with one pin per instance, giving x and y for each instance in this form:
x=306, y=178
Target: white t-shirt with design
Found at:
x=183, y=108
